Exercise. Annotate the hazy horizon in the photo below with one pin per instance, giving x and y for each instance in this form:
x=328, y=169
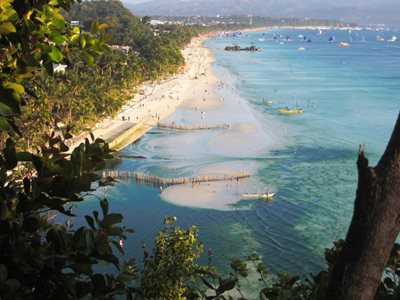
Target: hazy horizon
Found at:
x=361, y=3
x=360, y=11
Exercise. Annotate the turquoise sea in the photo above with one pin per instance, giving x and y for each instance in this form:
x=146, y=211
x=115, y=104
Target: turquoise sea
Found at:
x=350, y=96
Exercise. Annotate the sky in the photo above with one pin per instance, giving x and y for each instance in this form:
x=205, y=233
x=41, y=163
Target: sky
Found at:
x=359, y=11
x=349, y=2
x=134, y=1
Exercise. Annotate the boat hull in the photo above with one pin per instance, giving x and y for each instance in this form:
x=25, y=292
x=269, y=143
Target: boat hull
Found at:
x=257, y=196
x=291, y=111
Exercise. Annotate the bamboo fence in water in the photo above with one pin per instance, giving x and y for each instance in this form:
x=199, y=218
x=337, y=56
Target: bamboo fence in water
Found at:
x=162, y=181
x=173, y=125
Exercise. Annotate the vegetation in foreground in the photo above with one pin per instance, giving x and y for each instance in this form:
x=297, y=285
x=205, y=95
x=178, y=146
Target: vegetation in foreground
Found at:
x=40, y=259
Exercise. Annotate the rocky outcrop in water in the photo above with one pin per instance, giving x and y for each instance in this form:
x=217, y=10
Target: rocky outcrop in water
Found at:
x=238, y=48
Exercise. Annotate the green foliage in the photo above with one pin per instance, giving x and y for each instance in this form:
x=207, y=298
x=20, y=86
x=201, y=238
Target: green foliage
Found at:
x=38, y=258
x=170, y=267
x=32, y=38
x=41, y=259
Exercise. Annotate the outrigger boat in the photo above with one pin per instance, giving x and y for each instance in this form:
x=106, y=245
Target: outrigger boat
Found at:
x=291, y=111
x=266, y=196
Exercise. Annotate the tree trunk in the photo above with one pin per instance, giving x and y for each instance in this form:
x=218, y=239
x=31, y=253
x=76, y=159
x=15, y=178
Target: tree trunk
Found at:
x=373, y=229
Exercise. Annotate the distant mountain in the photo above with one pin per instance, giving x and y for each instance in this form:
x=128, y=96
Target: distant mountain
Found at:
x=360, y=11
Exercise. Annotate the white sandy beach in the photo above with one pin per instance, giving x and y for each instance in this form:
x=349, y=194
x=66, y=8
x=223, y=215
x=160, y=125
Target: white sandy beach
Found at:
x=156, y=101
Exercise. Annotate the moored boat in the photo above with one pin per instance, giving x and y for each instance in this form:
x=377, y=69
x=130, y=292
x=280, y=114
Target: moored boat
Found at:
x=380, y=38
x=267, y=102
x=291, y=111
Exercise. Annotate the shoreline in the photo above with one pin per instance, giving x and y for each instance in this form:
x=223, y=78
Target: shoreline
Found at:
x=155, y=101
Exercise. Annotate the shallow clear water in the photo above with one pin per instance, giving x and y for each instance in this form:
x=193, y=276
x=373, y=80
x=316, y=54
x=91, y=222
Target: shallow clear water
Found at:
x=351, y=96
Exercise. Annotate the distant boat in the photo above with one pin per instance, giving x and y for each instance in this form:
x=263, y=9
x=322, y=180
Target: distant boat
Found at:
x=319, y=32
x=392, y=39
x=288, y=39
x=331, y=39
x=287, y=110
x=309, y=41
x=266, y=196
x=343, y=44
x=267, y=102
x=261, y=39
x=301, y=48
x=380, y=38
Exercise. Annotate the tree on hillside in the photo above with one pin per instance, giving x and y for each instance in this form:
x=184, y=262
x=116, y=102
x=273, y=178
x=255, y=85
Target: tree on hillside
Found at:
x=374, y=227
x=146, y=20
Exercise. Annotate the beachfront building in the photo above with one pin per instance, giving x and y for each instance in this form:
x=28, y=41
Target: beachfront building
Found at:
x=59, y=68
x=74, y=24
x=123, y=49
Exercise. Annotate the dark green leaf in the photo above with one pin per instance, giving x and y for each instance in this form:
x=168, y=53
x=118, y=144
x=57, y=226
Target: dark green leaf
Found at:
x=4, y=211
x=4, y=124
x=99, y=284
x=104, y=207
x=82, y=268
x=6, y=28
x=10, y=155
x=57, y=38
x=112, y=219
x=209, y=285
x=90, y=221
x=3, y=273
x=129, y=230
x=24, y=156
x=9, y=102
x=48, y=65
x=31, y=224
x=226, y=285
x=55, y=54
x=88, y=59
x=263, y=295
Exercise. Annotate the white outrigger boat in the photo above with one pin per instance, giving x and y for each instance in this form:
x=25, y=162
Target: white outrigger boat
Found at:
x=266, y=196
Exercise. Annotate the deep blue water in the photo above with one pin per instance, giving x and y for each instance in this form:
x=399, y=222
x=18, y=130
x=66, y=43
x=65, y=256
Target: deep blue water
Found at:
x=351, y=96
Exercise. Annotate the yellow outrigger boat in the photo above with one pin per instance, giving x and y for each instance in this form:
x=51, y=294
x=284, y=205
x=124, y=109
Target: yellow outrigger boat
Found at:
x=290, y=111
